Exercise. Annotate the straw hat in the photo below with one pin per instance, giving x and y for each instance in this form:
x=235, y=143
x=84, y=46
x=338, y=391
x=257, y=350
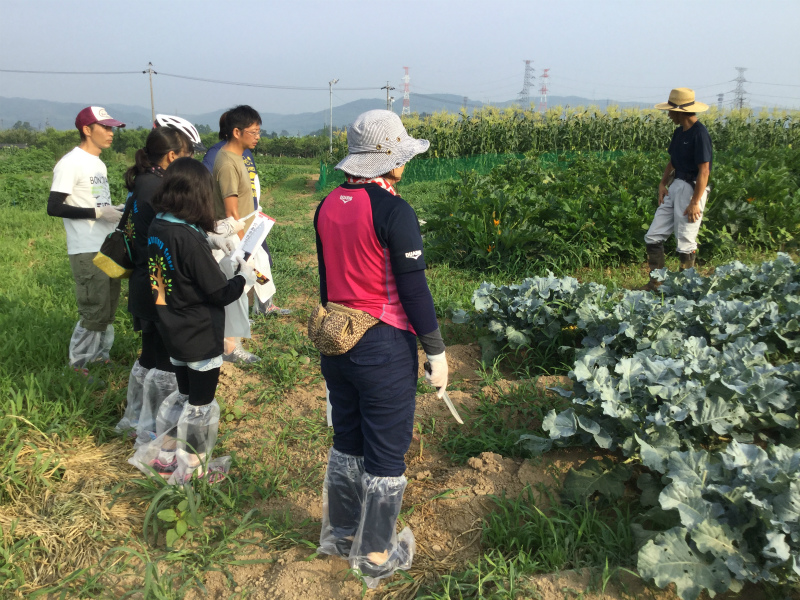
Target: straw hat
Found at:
x=377, y=142
x=682, y=100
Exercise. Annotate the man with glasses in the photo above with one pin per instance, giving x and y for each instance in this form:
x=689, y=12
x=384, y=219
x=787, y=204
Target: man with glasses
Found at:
x=233, y=197
x=267, y=307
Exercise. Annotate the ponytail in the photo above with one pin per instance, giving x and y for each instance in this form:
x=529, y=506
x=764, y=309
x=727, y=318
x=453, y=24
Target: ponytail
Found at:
x=141, y=164
x=160, y=142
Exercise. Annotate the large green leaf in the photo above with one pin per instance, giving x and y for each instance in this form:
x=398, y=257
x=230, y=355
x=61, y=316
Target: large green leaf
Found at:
x=668, y=559
x=602, y=476
x=719, y=540
x=686, y=499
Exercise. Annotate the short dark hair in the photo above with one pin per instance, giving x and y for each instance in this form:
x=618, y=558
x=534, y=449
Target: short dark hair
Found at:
x=187, y=193
x=241, y=117
x=83, y=135
x=224, y=130
x=160, y=142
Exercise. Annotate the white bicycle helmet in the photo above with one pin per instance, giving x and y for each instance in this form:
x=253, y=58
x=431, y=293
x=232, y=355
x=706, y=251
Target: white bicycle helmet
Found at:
x=181, y=125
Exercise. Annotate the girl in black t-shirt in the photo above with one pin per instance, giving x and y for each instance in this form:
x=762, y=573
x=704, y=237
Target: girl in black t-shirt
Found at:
x=190, y=292
x=152, y=377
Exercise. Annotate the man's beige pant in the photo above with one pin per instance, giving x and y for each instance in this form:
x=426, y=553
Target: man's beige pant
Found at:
x=669, y=218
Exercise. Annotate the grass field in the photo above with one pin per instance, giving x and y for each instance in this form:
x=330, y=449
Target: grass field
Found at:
x=77, y=521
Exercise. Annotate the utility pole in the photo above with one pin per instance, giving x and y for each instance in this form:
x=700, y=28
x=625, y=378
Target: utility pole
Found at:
x=391, y=103
x=739, y=100
x=406, y=93
x=331, y=83
x=525, y=94
x=150, y=72
x=388, y=88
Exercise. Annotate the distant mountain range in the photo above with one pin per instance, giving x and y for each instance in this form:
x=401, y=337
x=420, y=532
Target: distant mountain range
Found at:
x=61, y=115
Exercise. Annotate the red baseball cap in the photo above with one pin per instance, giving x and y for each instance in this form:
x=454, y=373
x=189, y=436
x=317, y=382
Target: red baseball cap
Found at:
x=95, y=114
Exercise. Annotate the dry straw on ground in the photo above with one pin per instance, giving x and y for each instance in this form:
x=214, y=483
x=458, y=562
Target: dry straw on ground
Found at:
x=66, y=504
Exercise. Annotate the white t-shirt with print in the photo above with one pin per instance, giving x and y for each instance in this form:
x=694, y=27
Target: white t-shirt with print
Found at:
x=84, y=177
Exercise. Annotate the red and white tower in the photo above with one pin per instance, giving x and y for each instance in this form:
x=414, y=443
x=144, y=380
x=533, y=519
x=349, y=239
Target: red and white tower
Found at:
x=406, y=93
x=543, y=91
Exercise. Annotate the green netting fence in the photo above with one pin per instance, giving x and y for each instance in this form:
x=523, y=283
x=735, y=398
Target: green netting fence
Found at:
x=445, y=169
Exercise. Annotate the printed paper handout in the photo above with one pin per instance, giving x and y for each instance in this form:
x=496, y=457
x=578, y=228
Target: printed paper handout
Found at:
x=253, y=237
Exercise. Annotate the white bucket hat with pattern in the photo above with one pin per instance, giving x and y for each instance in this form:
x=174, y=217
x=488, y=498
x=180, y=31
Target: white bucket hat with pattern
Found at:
x=377, y=142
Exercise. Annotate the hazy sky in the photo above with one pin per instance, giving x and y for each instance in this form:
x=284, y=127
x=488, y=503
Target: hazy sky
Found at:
x=623, y=49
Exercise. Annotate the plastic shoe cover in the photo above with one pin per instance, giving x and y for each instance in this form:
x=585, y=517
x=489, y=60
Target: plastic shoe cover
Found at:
x=213, y=471
x=156, y=455
x=378, y=551
x=342, y=494
x=86, y=346
x=168, y=414
x=106, y=341
x=197, y=434
x=134, y=405
x=158, y=385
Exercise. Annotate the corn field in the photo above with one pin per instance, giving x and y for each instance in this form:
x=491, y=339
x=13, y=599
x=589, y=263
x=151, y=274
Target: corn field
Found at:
x=512, y=130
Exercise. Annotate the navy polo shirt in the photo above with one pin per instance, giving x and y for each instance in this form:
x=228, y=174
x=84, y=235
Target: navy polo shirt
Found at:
x=690, y=148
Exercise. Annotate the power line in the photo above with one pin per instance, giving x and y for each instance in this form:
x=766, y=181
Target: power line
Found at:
x=205, y=80
x=638, y=87
x=264, y=85
x=769, y=96
x=780, y=84
x=74, y=72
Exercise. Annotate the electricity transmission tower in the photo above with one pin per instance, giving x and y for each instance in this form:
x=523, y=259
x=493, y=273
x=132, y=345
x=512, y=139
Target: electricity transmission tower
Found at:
x=739, y=91
x=406, y=93
x=543, y=91
x=527, y=83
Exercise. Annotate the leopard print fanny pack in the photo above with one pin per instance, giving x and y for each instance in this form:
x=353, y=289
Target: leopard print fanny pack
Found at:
x=335, y=328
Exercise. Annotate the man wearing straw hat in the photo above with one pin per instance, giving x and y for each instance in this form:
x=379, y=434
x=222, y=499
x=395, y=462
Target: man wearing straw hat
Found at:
x=681, y=202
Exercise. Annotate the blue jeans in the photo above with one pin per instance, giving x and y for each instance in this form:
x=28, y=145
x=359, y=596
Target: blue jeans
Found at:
x=373, y=391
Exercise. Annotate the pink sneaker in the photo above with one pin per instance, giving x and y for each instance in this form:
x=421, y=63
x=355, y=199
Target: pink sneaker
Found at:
x=164, y=469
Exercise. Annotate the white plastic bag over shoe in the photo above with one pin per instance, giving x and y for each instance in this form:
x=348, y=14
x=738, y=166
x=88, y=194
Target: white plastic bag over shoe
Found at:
x=157, y=386
x=378, y=550
x=197, y=435
x=87, y=346
x=133, y=408
x=342, y=494
x=159, y=454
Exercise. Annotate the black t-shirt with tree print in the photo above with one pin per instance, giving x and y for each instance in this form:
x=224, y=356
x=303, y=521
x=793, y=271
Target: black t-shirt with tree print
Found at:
x=189, y=289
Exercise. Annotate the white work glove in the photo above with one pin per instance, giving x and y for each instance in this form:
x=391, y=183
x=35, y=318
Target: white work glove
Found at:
x=228, y=227
x=246, y=271
x=220, y=242
x=109, y=214
x=439, y=371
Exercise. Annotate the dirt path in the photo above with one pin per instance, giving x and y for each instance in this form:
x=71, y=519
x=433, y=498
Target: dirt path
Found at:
x=443, y=504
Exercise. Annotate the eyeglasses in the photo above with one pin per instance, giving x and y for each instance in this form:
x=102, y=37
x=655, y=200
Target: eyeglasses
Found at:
x=256, y=133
